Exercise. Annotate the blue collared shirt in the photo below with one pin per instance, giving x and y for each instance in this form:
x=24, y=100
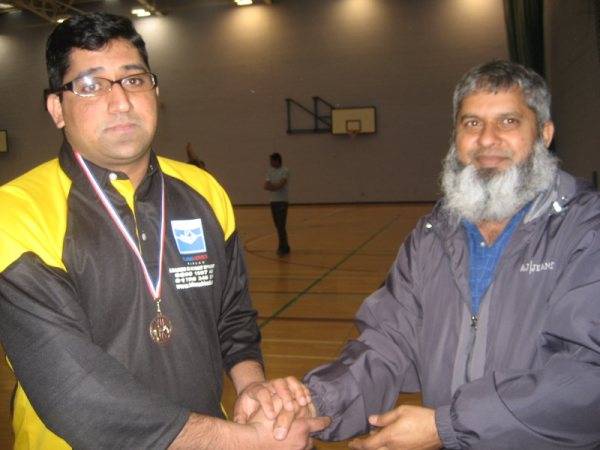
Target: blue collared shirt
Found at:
x=483, y=259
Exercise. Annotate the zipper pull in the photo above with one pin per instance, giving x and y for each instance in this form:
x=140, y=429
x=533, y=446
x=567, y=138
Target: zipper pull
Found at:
x=474, y=322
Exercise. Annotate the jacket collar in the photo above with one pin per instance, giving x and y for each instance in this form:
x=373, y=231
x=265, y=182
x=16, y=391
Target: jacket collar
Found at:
x=552, y=201
x=453, y=237
x=555, y=199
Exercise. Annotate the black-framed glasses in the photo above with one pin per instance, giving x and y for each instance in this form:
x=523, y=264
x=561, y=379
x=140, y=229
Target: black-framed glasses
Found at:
x=91, y=86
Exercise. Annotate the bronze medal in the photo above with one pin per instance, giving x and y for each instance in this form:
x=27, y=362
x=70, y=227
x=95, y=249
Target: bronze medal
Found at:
x=160, y=329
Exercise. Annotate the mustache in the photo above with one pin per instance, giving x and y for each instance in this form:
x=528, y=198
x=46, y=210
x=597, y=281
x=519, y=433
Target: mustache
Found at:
x=122, y=120
x=497, y=152
x=490, y=194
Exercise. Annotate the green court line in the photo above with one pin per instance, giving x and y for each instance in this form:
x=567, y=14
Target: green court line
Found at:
x=318, y=280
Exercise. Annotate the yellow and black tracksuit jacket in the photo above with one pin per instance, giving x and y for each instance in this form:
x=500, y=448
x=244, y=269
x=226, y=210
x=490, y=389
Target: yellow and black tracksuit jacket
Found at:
x=75, y=310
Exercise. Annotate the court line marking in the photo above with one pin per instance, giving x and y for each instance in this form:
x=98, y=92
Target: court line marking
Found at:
x=308, y=219
x=332, y=252
x=331, y=297
x=257, y=253
x=252, y=291
x=309, y=319
x=287, y=356
x=266, y=294
x=338, y=276
x=322, y=277
x=302, y=341
x=348, y=320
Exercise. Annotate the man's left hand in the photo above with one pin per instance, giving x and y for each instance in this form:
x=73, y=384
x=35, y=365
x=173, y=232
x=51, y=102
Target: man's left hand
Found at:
x=403, y=428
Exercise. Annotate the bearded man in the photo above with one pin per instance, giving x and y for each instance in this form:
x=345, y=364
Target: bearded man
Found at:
x=492, y=307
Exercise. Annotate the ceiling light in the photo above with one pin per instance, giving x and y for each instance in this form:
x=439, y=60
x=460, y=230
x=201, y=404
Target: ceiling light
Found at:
x=243, y=2
x=141, y=12
x=61, y=19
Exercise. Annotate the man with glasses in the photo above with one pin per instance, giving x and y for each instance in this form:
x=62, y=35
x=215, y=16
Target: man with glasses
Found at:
x=123, y=291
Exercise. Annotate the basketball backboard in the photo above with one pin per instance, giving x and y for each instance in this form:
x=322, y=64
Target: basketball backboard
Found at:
x=353, y=120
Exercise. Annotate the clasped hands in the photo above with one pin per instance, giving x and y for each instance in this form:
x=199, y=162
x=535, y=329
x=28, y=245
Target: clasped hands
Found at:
x=284, y=407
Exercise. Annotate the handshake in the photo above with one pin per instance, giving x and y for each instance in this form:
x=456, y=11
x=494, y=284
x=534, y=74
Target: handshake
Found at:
x=283, y=416
x=280, y=415
x=281, y=412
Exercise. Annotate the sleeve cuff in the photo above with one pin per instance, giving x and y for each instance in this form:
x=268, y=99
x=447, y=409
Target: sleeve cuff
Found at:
x=317, y=401
x=178, y=424
x=249, y=354
x=444, y=428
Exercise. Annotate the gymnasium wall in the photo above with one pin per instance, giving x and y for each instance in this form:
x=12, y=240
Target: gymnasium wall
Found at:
x=225, y=71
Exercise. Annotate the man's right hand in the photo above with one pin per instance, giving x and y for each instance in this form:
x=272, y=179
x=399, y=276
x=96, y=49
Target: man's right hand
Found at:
x=260, y=396
x=300, y=423
x=294, y=400
x=209, y=433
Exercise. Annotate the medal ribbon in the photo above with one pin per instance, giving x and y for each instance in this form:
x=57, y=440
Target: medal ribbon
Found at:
x=153, y=288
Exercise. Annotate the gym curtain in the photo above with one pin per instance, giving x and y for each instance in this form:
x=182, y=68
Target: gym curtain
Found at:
x=525, y=30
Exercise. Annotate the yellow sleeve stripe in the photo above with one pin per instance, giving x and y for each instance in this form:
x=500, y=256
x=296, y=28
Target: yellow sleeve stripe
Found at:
x=203, y=183
x=30, y=431
x=34, y=219
x=34, y=215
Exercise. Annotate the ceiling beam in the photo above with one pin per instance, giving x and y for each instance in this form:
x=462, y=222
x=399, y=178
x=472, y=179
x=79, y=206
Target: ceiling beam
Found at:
x=49, y=10
x=150, y=6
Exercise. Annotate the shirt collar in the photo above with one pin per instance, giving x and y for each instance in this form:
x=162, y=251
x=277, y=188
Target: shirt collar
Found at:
x=473, y=231
x=103, y=176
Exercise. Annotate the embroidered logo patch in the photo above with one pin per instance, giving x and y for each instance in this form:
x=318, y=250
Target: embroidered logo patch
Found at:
x=189, y=236
x=531, y=267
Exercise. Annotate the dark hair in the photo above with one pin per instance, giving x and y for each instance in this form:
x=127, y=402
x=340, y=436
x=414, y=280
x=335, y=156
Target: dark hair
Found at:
x=88, y=32
x=275, y=157
x=197, y=162
x=501, y=76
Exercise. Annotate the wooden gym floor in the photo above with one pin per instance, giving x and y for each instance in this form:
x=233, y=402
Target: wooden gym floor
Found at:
x=306, y=300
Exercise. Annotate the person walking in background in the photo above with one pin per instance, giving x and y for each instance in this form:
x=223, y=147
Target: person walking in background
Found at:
x=277, y=183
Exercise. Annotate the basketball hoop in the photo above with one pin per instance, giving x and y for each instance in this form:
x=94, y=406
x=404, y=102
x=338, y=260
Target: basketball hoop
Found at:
x=353, y=127
x=352, y=133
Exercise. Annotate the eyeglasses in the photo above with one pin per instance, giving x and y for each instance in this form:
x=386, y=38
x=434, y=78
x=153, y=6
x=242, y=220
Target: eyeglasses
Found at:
x=90, y=86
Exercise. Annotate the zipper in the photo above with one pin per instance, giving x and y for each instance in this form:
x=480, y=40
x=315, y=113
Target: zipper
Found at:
x=473, y=327
x=474, y=320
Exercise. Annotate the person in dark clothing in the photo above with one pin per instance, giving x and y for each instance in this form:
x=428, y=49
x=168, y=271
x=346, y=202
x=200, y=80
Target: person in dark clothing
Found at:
x=123, y=289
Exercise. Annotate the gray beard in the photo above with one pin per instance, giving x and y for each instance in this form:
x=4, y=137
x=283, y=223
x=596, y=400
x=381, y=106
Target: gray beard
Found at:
x=490, y=195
